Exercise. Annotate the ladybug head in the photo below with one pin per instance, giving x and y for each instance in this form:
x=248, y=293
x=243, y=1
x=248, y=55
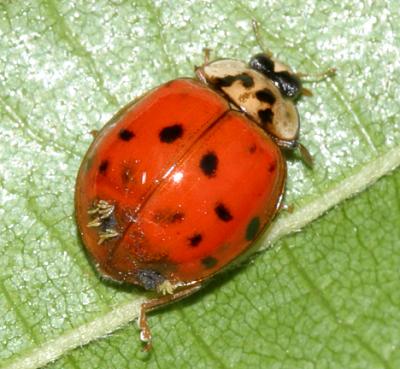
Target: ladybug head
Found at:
x=287, y=82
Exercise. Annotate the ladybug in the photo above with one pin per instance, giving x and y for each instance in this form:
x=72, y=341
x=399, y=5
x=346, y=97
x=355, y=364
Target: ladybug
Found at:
x=181, y=181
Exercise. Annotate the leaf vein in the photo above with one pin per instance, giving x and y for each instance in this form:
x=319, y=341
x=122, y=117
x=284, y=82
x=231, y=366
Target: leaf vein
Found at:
x=32, y=134
x=24, y=322
x=77, y=49
x=324, y=303
x=121, y=315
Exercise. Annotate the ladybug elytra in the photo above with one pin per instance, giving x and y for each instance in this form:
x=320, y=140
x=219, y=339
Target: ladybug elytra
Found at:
x=181, y=182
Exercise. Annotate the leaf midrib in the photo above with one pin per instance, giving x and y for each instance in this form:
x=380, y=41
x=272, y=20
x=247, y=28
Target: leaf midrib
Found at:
x=123, y=314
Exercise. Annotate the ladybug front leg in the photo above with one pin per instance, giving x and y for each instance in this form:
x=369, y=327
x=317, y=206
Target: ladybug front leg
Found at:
x=313, y=77
x=316, y=77
x=199, y=71
x=146, y=307
x=306, y=157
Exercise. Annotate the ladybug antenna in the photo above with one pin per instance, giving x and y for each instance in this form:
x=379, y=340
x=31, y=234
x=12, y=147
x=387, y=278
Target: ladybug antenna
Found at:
x=207, y=53
x=315, y=77
x=259, y=39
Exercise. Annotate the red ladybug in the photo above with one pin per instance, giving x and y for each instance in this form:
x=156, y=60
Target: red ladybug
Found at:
x=181, y=182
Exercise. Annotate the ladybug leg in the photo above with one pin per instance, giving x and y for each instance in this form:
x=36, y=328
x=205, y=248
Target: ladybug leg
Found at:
x=146, y=307
x=199, y=71
x=286, y=207
x=306, y=92
x=317, y=77
x=306, y=156
x=94, y=133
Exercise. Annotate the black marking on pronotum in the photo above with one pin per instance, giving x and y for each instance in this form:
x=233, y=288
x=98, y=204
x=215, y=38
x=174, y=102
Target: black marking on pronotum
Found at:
x=252, y=228
x=209, y=262
x=103, y=166
x=171, y=133
x=223, y=212
x=262, y=63
x=126, y=134
x=266, y=95
x=209, y=164
x=149, y=279
x=288, y=84
x=195, y=239
x=247, y=81
x=266, y=115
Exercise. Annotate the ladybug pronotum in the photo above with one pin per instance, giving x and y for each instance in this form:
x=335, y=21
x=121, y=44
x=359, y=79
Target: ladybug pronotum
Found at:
x=181, y=181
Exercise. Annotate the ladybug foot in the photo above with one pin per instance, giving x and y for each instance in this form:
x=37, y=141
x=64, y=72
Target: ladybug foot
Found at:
x=287, y=207
x=94, y=133
x=145, y=333
x=317, y=77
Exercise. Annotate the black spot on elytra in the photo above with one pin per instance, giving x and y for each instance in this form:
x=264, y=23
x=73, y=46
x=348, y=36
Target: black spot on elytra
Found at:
x=252, y=228
x=252, y=149
x=103, y=166
x=126, y=134
x=209, y=164
x=227, y=81
x=209, y=262
x=266, y=95
x=272, y=167
x=171, y=133
x=266, y=115
x=223, y=213
x=195, y=239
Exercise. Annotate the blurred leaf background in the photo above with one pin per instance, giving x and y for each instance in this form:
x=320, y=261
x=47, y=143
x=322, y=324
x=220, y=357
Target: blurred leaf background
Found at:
x=327, y=297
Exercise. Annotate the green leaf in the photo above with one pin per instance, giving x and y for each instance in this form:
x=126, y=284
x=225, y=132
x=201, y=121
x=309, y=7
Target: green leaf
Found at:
x=326, y=297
